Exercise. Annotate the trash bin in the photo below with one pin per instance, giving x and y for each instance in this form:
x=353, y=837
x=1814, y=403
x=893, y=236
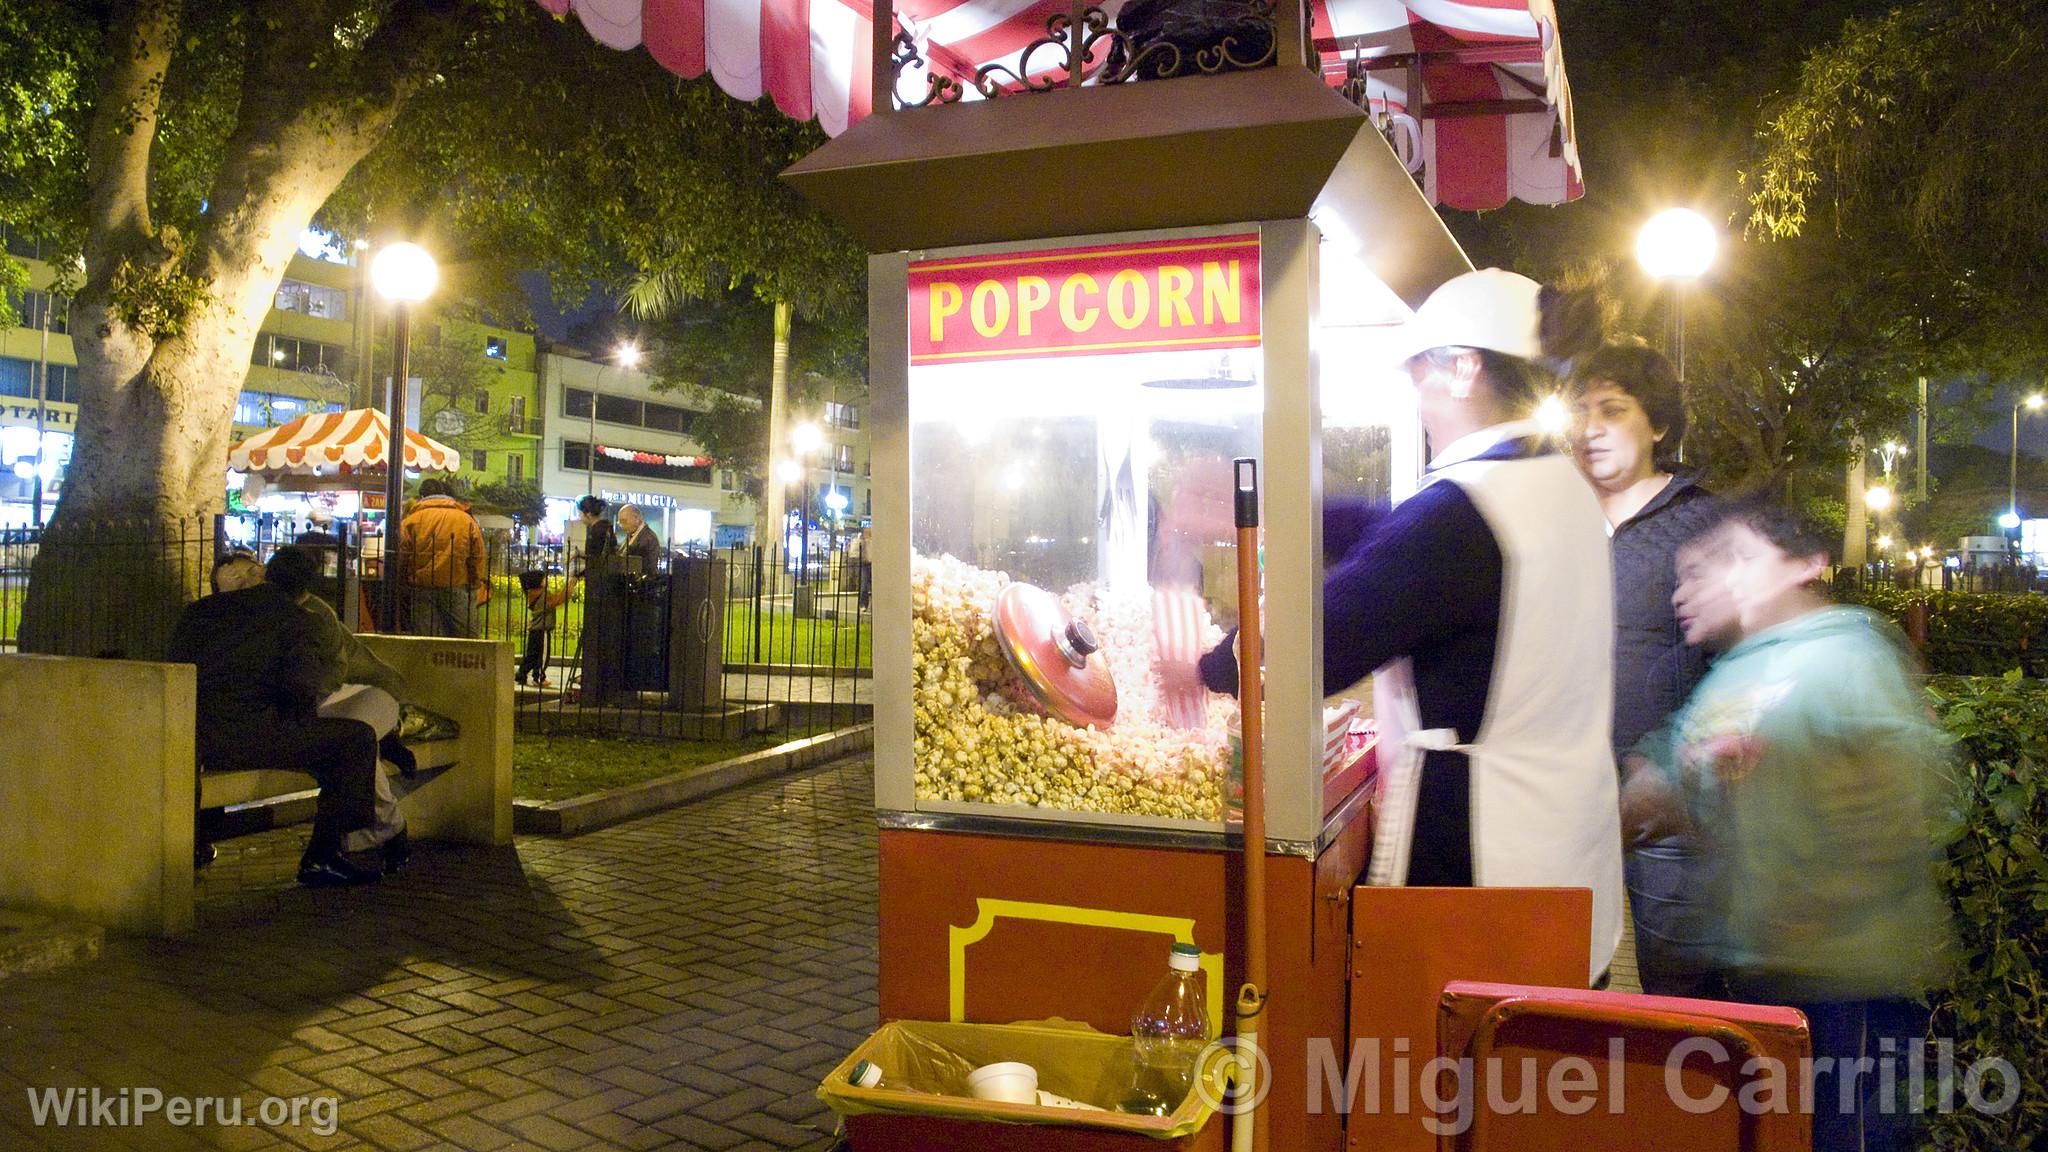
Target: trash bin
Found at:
x=922, y=1103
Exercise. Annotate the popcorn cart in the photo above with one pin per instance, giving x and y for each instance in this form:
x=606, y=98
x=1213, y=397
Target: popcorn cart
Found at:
x=1082, y=309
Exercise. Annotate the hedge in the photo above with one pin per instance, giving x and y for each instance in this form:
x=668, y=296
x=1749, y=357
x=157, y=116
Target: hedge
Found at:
x=1996, y=876
x=1970, y=633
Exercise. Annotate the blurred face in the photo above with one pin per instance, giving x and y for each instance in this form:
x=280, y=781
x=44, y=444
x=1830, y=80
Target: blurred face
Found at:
x=629, y=519
x=1612, y=441
x=1703, y=602
x=1769, y=585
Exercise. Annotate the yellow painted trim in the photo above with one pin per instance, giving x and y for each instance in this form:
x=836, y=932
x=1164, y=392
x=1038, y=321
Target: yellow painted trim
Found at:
x=1221, y=243
x=987, y=912
x=1244, y=340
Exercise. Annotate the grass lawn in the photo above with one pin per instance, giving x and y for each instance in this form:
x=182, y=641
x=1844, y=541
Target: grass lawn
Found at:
x=560, y=767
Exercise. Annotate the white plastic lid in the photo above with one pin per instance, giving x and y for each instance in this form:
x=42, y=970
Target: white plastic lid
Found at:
x=865, y=1075
x=1184, y=958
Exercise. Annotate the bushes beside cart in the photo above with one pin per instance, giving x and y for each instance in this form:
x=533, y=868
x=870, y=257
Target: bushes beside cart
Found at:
x=1996, y=875
x=1970, y=633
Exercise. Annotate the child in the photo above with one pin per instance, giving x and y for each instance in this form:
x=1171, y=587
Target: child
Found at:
x=540, y=620
x=1813, y=772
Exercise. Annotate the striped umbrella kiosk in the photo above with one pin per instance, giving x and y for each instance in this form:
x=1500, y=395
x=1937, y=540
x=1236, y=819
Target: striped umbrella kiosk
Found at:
x=341, y=445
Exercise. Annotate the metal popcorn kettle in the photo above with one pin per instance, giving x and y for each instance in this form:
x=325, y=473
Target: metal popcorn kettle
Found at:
x=1051, y=652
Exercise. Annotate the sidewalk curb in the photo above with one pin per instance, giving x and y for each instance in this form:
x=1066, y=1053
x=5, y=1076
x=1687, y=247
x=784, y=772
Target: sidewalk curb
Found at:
x=603, y=809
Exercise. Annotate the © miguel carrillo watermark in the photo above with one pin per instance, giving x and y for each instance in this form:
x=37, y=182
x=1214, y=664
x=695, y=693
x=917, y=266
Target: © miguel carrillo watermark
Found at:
x=1444, y=1092
x=98, y=1107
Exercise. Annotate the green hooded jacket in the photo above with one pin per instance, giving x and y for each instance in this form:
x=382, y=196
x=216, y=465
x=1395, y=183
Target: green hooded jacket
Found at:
x=1815, y=772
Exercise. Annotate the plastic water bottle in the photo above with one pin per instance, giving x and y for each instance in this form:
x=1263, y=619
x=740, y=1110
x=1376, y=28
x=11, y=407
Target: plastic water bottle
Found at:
x=1168, y=1035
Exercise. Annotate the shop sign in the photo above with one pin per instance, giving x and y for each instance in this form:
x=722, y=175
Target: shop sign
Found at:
x=1106, y=299
x=642, y=499
x=53, y=413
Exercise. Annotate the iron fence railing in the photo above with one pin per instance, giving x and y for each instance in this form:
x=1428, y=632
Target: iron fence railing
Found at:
x=701, y=644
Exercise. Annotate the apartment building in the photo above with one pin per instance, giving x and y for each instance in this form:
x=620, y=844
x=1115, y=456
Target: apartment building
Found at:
x=305, y=359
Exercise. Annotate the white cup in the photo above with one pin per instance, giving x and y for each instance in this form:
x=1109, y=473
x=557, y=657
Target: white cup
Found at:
x=1009, y=1082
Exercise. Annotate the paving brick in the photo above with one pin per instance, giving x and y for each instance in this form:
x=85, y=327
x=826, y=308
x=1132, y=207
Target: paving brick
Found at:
x=677, y=982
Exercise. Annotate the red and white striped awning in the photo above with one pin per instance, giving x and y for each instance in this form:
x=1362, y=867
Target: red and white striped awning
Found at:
x=1474, y=91
x=336, y=444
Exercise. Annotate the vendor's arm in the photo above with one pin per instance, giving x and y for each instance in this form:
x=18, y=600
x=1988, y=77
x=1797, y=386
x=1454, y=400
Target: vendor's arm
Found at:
x=1415, y=570
x=1430, y=566
x=1347, y=521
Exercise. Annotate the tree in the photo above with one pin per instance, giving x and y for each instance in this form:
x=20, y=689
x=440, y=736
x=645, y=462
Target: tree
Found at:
x=519, y=499
x=182, y=147
x=728, y=342
x=1921, y=126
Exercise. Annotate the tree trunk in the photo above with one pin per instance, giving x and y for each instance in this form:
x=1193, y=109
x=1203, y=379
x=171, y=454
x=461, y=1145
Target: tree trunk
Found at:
x=773, y=493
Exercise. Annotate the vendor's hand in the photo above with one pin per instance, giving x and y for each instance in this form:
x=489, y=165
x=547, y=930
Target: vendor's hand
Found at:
x=1650, y=807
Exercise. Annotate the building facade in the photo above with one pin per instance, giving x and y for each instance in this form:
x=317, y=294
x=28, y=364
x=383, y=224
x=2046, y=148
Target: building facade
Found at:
x=474, y=385
x=610, y=432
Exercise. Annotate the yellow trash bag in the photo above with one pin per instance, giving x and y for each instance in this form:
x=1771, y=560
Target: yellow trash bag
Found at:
x=924, y=1066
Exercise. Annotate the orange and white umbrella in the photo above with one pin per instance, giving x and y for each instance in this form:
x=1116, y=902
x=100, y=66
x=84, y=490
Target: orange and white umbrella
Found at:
x=336, y=444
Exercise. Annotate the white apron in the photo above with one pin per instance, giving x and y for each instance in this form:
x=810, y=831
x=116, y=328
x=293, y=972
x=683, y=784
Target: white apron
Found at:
x=1544, y=797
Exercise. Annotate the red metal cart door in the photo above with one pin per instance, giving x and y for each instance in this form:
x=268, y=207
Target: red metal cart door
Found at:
x=1407, y=943
x=1566, y=1070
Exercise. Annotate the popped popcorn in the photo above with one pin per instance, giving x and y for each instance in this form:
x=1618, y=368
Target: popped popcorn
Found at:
x=978, y=735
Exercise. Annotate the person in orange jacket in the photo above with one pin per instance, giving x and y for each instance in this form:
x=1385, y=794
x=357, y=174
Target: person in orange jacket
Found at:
x=441, y=562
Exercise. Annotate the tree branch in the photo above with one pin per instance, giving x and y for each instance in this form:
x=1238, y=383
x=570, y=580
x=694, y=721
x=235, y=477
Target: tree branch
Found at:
x=141, y=42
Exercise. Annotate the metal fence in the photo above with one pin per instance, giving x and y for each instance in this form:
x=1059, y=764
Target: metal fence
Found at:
x=698, y=645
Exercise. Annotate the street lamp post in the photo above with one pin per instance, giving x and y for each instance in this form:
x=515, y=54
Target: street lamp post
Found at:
x=2011, y=519
x=626, y=356
x=404, y=274
x=1677, y=244
x=805, y=438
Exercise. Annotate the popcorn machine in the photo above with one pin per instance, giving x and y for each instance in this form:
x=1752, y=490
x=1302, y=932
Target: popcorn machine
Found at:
x=1059, y=384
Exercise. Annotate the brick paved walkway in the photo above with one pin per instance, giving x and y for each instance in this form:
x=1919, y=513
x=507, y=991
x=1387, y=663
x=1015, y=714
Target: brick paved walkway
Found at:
x=682, y=981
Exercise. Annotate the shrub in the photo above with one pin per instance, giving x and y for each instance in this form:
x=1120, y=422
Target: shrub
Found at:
x=1996, y=876
x=1970, y=633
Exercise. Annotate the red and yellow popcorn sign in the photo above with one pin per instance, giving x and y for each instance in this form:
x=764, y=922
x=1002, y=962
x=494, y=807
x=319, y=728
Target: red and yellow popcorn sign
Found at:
x=1116, y=298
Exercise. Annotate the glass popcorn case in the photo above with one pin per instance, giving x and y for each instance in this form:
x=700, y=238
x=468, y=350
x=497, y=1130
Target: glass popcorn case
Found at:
x=1068, y=416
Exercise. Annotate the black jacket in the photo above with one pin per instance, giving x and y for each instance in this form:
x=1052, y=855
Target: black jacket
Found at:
x=1654, y=669
x=258, y=664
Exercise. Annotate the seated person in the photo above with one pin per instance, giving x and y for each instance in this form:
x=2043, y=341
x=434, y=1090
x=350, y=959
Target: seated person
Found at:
x=354, y=684
x=259, y=687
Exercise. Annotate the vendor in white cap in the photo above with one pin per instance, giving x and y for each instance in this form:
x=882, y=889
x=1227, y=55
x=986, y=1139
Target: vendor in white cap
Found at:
x=1483, y=606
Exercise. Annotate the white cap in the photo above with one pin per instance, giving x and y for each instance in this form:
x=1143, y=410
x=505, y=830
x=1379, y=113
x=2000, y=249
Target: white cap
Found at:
x=1492, y=308
x=1184, y=958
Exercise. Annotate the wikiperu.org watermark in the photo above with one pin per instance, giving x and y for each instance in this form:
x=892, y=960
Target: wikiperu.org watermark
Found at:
x=135, y=1107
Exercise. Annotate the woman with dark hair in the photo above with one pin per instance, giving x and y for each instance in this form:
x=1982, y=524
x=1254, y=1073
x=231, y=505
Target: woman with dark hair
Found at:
x=1628, y=419
x=1481, y=606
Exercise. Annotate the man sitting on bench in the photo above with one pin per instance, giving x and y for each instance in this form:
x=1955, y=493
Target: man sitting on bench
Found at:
x=259, y=683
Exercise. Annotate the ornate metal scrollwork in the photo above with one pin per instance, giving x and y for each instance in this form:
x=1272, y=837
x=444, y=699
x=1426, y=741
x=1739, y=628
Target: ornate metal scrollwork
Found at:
x=1091, y=52
x=938, y=87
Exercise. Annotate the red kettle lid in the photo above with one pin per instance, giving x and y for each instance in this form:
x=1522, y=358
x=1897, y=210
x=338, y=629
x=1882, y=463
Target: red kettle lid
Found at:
x=1054, y=654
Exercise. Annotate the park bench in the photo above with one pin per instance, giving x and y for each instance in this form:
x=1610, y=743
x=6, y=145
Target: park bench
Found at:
x=97, y=820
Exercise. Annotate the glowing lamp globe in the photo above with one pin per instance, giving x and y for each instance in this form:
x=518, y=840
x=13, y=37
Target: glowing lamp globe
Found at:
x=789, y=471
x=1878, y=499
x=1677, y=243
x=2009, y=521
x=405, y=273
x=806, y=437
x=627, y=355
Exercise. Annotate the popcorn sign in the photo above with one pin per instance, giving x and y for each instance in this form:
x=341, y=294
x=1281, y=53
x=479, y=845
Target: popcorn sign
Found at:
x=1103, y=300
